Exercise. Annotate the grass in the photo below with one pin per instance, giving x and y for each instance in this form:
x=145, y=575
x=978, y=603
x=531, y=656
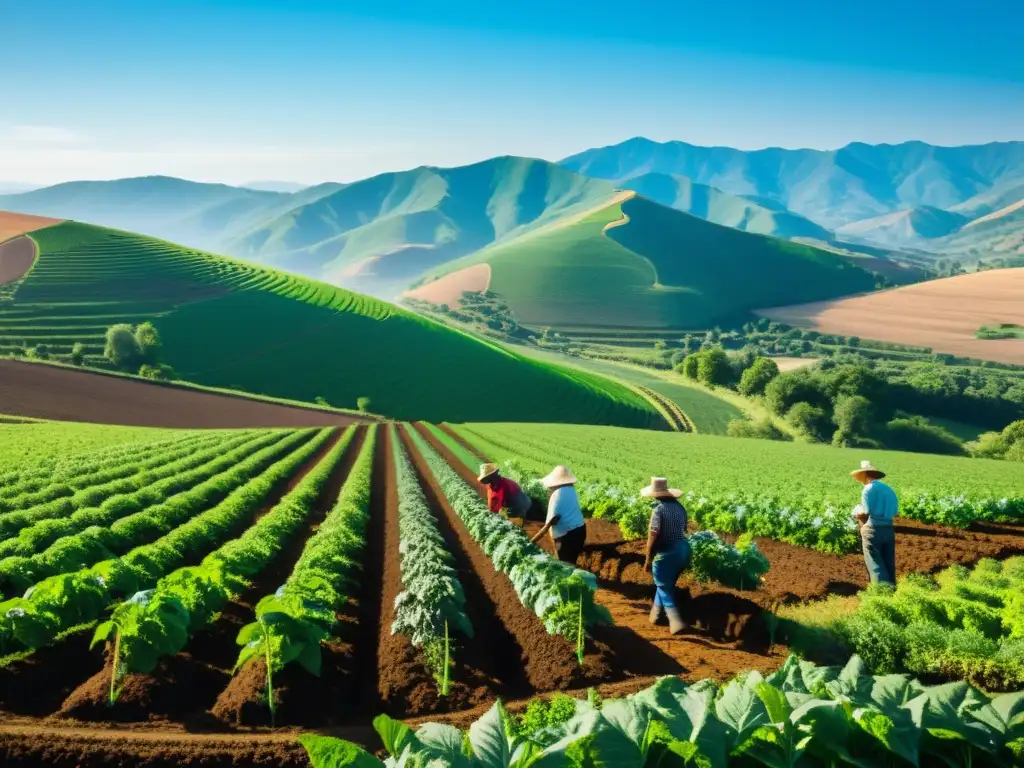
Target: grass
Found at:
x=797, y=474
x=225, y=323
x=662, y=269
x=27, y=443
x=1001, y=331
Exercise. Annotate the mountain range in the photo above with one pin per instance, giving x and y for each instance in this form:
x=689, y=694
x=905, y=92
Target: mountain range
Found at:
x=891, y=203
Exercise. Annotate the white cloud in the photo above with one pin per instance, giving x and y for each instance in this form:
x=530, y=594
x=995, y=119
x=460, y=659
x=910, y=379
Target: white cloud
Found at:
x=40, y=134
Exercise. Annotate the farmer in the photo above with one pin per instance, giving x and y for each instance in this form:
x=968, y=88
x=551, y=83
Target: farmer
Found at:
x=503, y=493
x=875, y=514
x=668, y=551
x=565, y=518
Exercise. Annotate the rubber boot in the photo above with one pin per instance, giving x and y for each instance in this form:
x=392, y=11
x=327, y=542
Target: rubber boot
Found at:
x=675, y=621
x=657, y=612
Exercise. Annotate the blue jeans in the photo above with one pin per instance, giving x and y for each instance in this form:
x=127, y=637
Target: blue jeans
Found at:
x=879, y=553
x=665, y=568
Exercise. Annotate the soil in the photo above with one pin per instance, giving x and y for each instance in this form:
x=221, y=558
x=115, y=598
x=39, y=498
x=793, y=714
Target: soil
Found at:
x=448, y=289
x=16, y=258
x=51, y=392
x=14, y=224
x=942, y=314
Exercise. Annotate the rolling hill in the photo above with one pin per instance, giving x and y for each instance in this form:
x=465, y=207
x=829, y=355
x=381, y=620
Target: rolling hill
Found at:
x=832, y=188
x=720, y=207
x=227, y=323
x=636, y=264
x=912, y=228
x=382, y=233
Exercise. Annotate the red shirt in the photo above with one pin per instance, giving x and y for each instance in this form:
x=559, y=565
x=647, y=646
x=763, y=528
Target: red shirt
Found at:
x=500, y=493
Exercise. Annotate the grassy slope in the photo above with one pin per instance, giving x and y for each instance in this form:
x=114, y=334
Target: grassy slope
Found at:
x=382, y=233
x=226, y=323
x=792, y=471
x=662, y=269
x=22, y=444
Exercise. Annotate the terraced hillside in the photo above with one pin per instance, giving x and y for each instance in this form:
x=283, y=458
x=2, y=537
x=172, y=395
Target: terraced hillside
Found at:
x=639, y=265
x=226, y=323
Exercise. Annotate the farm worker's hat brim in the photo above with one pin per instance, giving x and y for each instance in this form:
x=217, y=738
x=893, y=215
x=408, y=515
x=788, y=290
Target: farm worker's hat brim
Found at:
x=867, y=470
x=487, y=470
x=658, y=489
x=559, y=476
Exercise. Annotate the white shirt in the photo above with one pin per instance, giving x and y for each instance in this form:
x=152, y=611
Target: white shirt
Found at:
x=565, y=503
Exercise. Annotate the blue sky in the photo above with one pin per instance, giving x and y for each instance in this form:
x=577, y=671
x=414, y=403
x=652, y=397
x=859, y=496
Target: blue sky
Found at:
x=233, y=90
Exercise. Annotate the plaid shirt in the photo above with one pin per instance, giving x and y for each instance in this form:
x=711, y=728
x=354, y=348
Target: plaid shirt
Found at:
x=668, y=521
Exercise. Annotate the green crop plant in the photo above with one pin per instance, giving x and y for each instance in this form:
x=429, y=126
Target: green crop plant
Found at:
x=800, y=715
x=292, y=622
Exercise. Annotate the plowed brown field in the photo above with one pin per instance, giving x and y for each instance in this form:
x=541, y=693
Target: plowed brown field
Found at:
x=16, y=258
x=941, y=314
x=51, y=392
x=13, y=224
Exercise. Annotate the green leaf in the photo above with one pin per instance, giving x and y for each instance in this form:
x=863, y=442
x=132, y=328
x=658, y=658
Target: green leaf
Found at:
x=102, y=633
x=489, y=740
x=774, y=702
x=443, y=742
x=310, y=658
x=394, y=734
x=327, y=752
x=741, y=712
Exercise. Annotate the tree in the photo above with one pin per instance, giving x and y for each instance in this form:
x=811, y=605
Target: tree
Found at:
x=78, y=354
x=853, y=418
x=148, y=341
x=659, y=345
x=689, y=366
x=917, y=435
x=788, y=389
x=713, y=367
x=363, y=404
x=122, y=349
x=810, y=420
x=758, y=376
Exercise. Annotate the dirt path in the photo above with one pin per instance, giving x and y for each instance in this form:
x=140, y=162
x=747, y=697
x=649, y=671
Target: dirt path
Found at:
x=64, y=394
x=16, y=258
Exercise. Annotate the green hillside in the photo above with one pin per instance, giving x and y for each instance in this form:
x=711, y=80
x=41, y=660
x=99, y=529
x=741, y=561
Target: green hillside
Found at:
x=382, y=233
x=720, y=207
x=230, y=324
x=656, y=268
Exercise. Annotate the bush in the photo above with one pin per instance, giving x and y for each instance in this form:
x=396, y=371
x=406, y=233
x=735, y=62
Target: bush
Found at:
x=713, y=367
x=811, y=421
x=758, y=376
x=156, y=372
x=917, y=435
x=148, y=342
x=763, y=429
x=689, y=366
x=122, y=348
x=853, y=418
x=78, y=354
x=363, y=404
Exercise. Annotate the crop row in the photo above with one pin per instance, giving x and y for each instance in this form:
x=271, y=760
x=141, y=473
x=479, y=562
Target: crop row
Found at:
x=432, y=602
x=66, y=481
x=800, y=715
x=158, y=622
x=125, y=521
x=61, y=602
x=560, y=595
x=37, y=474
x=292, y=623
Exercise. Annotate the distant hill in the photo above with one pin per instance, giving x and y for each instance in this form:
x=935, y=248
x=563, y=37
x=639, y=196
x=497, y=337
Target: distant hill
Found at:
x=913, y=227
x=832, y=188
x=995, y=235
x=720, y=207
x=274, y=186
x=15, y=187
x=636, y=264
x=382, y=233
x=230, y=324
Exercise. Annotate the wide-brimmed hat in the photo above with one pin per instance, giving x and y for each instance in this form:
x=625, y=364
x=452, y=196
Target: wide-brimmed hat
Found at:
x=867, y=468
x=560, y=475
x=659, y=489
x=486, y=470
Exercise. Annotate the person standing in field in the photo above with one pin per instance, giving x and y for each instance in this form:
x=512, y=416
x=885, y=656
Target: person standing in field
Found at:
x=875, y=514
x=503, y=493
x=668, y=550
x=564, y=518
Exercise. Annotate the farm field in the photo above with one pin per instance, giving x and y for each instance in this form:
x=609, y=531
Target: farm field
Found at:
x=13, y=224
x=88, y=278
x=942, y=314
x=228, y=532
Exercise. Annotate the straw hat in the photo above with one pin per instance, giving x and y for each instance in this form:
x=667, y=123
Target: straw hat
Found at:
x=486, y=470
x=559, y=476
x=658, y=489
x=866, y=468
